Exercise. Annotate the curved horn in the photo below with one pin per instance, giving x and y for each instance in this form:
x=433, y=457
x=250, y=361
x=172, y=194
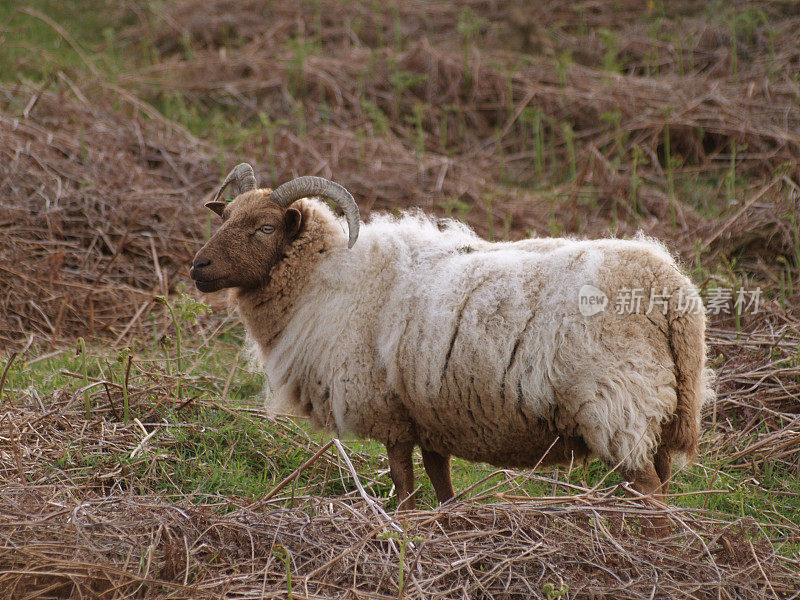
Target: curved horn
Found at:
x=244, y=178
x=304, y=187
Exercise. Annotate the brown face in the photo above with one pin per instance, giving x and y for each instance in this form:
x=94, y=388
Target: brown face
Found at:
x=249, y=243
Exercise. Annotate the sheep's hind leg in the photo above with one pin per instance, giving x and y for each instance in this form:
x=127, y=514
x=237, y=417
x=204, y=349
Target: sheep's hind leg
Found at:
x=438, y=469
x=402, y=471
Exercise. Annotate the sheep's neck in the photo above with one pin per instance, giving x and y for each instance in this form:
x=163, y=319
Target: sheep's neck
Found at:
x=268, y=308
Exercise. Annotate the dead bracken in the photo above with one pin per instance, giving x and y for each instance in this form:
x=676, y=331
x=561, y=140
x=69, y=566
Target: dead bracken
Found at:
x=581, y=118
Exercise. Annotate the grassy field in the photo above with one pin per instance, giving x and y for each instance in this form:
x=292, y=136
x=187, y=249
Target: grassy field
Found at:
x=136, y=457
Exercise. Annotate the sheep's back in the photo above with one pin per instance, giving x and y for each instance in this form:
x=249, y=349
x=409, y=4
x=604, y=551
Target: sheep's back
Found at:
x=488, y=347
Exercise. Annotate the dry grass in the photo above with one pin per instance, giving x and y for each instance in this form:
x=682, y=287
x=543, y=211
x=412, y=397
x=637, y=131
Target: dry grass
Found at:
x=518, y=118
x=78, y=532
x=756, y=421
x=537, y=120
x=99, y=212
x=85, y=511
x=424, y=104
x=124, y=546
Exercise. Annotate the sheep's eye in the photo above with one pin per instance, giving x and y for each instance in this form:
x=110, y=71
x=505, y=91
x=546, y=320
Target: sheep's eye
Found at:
x=266, y=229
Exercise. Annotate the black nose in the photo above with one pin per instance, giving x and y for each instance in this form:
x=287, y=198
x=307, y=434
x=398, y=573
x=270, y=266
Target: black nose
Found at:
x=200, y=263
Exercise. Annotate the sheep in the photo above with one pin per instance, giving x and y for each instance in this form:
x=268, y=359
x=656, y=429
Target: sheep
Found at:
x=426, y=335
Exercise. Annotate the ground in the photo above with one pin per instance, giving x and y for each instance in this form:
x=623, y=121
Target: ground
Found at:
x=136, y=459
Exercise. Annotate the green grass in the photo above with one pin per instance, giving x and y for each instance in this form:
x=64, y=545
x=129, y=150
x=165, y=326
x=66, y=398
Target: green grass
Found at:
x=42, y=37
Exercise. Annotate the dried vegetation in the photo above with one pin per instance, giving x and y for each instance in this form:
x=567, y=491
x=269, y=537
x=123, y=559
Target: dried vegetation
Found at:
x=71, y=528
x=442, y=106
x=98, y=214
x=583, y=118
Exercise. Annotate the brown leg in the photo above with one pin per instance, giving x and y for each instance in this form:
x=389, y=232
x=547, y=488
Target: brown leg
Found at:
x=438, y=469
x=402, y=471
x=648, y=483
x=663, y=464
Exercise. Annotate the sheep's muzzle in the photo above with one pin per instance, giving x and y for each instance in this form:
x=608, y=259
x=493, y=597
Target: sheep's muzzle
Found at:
x=202, y=280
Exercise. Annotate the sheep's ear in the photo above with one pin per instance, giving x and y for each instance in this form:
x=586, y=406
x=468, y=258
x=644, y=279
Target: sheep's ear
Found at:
x=216, y=206
x=291, y=221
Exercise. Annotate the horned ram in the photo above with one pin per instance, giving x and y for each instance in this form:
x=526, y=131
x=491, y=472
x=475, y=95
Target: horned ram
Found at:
x=426, y=335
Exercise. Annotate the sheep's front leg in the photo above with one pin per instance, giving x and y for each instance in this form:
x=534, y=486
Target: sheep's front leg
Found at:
x=438, y=469
x=648, y=483
x=663, y=465
x=402, y=471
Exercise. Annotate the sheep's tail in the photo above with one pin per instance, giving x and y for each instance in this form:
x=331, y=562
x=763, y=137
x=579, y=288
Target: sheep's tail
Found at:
x=686, y=323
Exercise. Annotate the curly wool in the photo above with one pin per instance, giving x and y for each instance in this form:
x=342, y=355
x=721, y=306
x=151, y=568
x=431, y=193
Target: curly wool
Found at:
x=424, y=332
